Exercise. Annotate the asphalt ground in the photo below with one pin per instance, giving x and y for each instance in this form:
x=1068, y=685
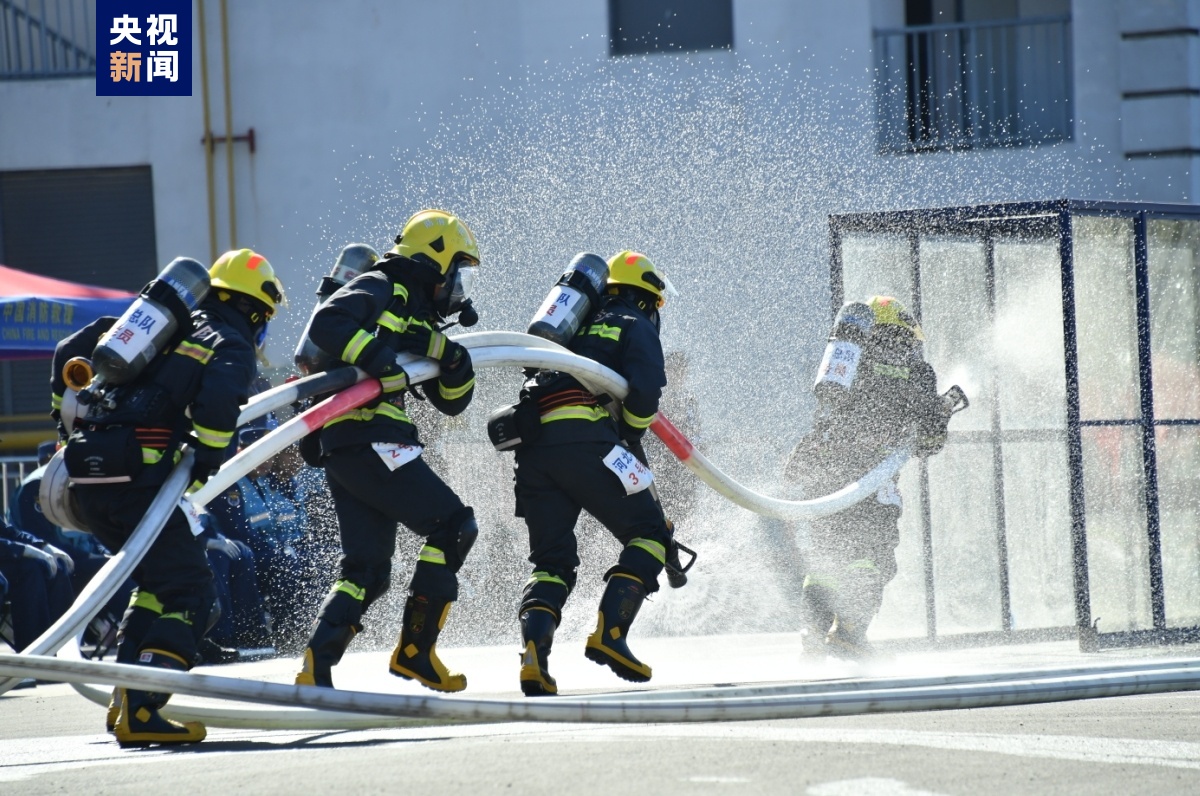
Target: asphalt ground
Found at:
x=52, y=739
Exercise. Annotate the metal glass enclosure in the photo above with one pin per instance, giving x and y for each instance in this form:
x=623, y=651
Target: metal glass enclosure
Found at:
x=1067, y=500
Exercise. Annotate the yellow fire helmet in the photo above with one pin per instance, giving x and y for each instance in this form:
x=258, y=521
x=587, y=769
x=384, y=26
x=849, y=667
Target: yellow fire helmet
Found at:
x=889, y=312
x=247, y=271
x=635, y=270
x=441, y=237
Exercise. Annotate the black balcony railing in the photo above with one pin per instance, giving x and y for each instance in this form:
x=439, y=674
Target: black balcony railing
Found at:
x=47, y=38
x=974, y=85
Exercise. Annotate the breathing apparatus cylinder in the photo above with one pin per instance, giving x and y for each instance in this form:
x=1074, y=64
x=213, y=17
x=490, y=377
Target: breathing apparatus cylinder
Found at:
x=843, y=352
x=163, y=308
x=571, y=300
x=355, y=259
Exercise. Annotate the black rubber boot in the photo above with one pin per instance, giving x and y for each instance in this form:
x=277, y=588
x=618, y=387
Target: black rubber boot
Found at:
x=324, y=651
x=618, y=608
x=537, y=631
x=139, y=722
x=415, y=656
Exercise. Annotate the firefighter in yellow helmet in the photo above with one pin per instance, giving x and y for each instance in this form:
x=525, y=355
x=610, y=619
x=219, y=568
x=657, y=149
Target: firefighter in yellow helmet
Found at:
x=121, y=451
x=583, y=459
x=372, y=456
x=875, y=393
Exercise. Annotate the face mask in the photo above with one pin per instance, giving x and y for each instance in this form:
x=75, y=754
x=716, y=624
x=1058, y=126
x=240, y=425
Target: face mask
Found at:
x=452, y=295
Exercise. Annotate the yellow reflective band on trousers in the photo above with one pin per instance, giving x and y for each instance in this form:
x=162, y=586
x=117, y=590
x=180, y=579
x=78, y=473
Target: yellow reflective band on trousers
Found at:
x=351, y=588
x=144, y=599
x=652, y=547
x=55, y=401
x=576, y=412
x=544, y=577
x=432, y=555
x=450, y=393
x=356, y=345
x=178, y=617
x=636, y=421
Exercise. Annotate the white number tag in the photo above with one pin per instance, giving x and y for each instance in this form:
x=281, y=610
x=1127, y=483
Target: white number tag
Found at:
x=840, y=363
x=193, y=516
x=395, y=455
x=634, y=475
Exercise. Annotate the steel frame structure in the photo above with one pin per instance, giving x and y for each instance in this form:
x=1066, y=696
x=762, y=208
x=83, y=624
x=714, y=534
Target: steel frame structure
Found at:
x=1046, y=219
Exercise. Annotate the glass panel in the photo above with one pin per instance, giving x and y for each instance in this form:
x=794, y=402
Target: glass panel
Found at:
x=1037, y=521
x=903, y=612
x=965, y=560
x=953, y=300
x=1115, y=516
x=1106, y=319
x=1031, y=385
x=1179, y=521
x=876, y=265
x=1174, y=318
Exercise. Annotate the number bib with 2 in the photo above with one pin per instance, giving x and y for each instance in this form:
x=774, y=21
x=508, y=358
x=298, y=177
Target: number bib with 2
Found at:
x=634, y=475
x=395, y=455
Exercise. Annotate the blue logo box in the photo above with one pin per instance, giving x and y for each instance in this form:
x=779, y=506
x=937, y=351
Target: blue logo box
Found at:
x=143, y=48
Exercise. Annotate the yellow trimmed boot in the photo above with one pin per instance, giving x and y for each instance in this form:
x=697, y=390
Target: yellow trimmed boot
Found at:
x=114, y=709
x=537, y=631
x=619, y=606
x=324, y=651
x=139, y=722
x=415, y=656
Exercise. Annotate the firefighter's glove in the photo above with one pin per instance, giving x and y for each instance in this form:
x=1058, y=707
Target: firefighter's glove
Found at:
x=377, y=359
x=930, y=444
x=207, y=462
x=42, y=556
x=393, y=381
x=61, y=557
x=631, y=436
x=454, y=358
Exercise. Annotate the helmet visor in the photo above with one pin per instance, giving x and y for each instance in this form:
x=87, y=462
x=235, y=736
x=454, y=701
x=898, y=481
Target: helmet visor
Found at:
x=464, y=282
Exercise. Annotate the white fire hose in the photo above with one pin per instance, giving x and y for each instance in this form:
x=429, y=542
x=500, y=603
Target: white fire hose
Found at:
x=834, y=699
x=488, y=350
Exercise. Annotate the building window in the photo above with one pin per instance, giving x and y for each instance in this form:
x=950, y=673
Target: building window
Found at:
x=653, y=26
x=47, y=38
x=94, y=226
x=980, y=80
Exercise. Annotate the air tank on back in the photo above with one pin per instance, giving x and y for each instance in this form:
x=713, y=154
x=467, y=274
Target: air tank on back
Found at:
x=843, y=352
x=163, y=308
x=353, y=260
x=567, y=306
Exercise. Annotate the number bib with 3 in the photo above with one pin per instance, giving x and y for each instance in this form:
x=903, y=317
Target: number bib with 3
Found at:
x=634, y=475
